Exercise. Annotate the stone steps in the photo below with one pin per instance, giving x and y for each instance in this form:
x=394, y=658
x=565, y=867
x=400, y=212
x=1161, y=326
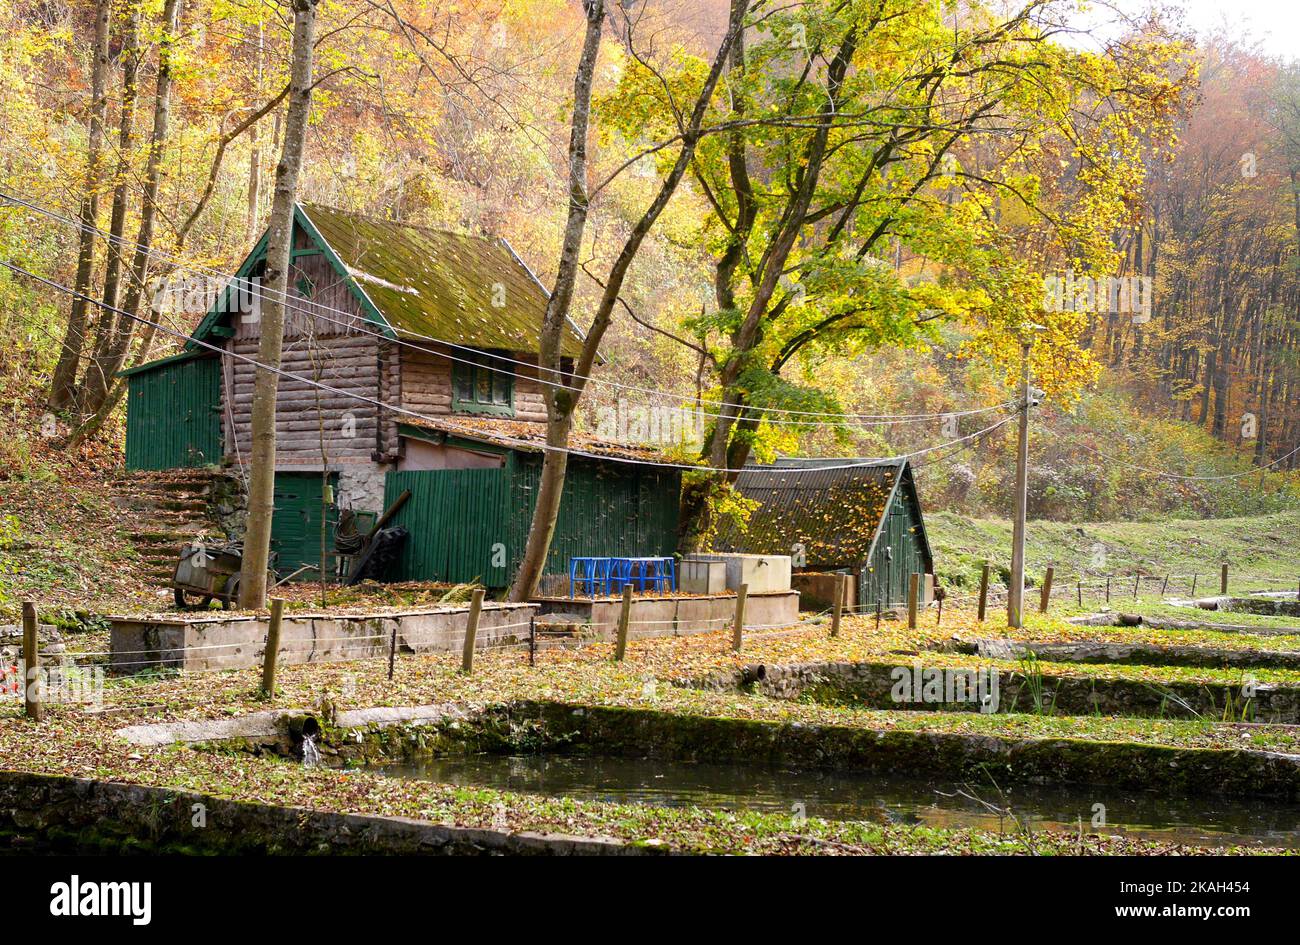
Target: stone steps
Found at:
x=163, y=510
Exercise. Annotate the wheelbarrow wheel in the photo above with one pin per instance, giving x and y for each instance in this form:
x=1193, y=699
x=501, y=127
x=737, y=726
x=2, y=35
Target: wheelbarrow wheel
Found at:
x=230, y=596
x=183, y=604
x=230, y=600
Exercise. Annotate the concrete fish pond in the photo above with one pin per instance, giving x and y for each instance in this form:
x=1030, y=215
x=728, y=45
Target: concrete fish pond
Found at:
x=377, y=737
x=916, y=686
x=217, y=641
x=636, y=755
x=865, y=796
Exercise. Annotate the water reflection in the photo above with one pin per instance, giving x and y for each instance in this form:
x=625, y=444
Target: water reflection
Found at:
x=836, y=795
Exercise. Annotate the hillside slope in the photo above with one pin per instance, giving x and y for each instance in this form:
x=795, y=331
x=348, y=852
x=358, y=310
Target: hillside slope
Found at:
x=1264, y=547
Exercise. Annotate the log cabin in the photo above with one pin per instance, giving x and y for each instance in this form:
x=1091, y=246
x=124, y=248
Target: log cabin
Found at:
x=409, y=362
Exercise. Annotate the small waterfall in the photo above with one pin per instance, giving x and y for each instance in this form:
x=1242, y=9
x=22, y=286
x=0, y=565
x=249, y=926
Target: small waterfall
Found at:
x=310, y=753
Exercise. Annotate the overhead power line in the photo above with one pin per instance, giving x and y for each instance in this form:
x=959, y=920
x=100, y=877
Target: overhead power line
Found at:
x=507, y=440
x=315, y=309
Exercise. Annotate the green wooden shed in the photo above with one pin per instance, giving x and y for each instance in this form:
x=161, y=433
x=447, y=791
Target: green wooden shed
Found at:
x=472, y=524
x=173, y=412
x=861, y=516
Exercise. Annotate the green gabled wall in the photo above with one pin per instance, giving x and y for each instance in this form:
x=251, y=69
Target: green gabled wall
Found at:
x=173, y=413
x=472, y=524
x=901, y=550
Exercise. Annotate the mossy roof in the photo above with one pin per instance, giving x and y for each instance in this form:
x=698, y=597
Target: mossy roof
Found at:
x=429, y=283
x=434, y=283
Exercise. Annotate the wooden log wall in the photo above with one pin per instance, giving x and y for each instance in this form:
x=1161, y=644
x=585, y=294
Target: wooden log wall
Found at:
x=349, y=363
x=426, y=381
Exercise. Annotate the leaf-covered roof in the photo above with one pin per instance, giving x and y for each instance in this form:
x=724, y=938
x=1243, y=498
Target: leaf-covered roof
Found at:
x=437, y=284
x=526, y=436
x=826, y=507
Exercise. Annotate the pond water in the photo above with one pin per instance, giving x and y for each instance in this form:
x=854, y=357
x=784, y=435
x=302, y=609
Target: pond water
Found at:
x=847, y=796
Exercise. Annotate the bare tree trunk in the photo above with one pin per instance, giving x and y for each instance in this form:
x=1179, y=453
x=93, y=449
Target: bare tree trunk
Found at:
x=559, y=400
x=95, y=382
x=255, y=153
x=261, y=484
x=88, y=429
x=562, y=400
x=101, y=374
x=63, y=384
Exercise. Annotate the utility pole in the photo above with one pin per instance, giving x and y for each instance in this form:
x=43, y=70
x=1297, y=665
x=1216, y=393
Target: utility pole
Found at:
x=1016, y=586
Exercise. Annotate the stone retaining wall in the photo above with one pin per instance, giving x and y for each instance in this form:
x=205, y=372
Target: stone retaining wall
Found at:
x=676, y=616
x=52, y=813
x=872, y=685
x=1144, y=654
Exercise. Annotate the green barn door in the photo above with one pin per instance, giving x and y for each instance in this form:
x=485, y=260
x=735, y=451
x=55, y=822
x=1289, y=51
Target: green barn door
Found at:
x=295, y=527
x=173, y=415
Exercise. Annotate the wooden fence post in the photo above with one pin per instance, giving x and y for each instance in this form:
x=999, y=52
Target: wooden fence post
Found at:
x=1137, y=582
x=31, y=664
x=1080, y=593
x=738, y=627
x=624, y=620
x=1165, y=586
x=272, y=648
x=471, y=630
x=841, y=588
x=984, y=591
x=1047, y=590
x=1194, y=577
x=1223, y=579
x=913, y=592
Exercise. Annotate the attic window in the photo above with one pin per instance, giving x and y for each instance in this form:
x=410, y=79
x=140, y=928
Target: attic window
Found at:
x=481, y=384
x=306, y=288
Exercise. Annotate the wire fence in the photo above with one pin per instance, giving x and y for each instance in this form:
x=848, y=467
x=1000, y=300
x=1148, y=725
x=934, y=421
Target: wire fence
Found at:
x=94, y=676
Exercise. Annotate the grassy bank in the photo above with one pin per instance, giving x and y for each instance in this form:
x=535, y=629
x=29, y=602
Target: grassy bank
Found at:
x=1265, y=547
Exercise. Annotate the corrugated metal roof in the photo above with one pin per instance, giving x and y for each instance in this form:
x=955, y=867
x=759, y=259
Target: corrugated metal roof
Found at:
x=526, y=436
x=438, y=284
x=830, y=514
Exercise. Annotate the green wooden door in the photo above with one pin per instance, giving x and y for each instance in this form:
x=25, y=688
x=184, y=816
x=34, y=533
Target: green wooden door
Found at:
x=458, y=521
x=296, y=525
x=173, y=415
